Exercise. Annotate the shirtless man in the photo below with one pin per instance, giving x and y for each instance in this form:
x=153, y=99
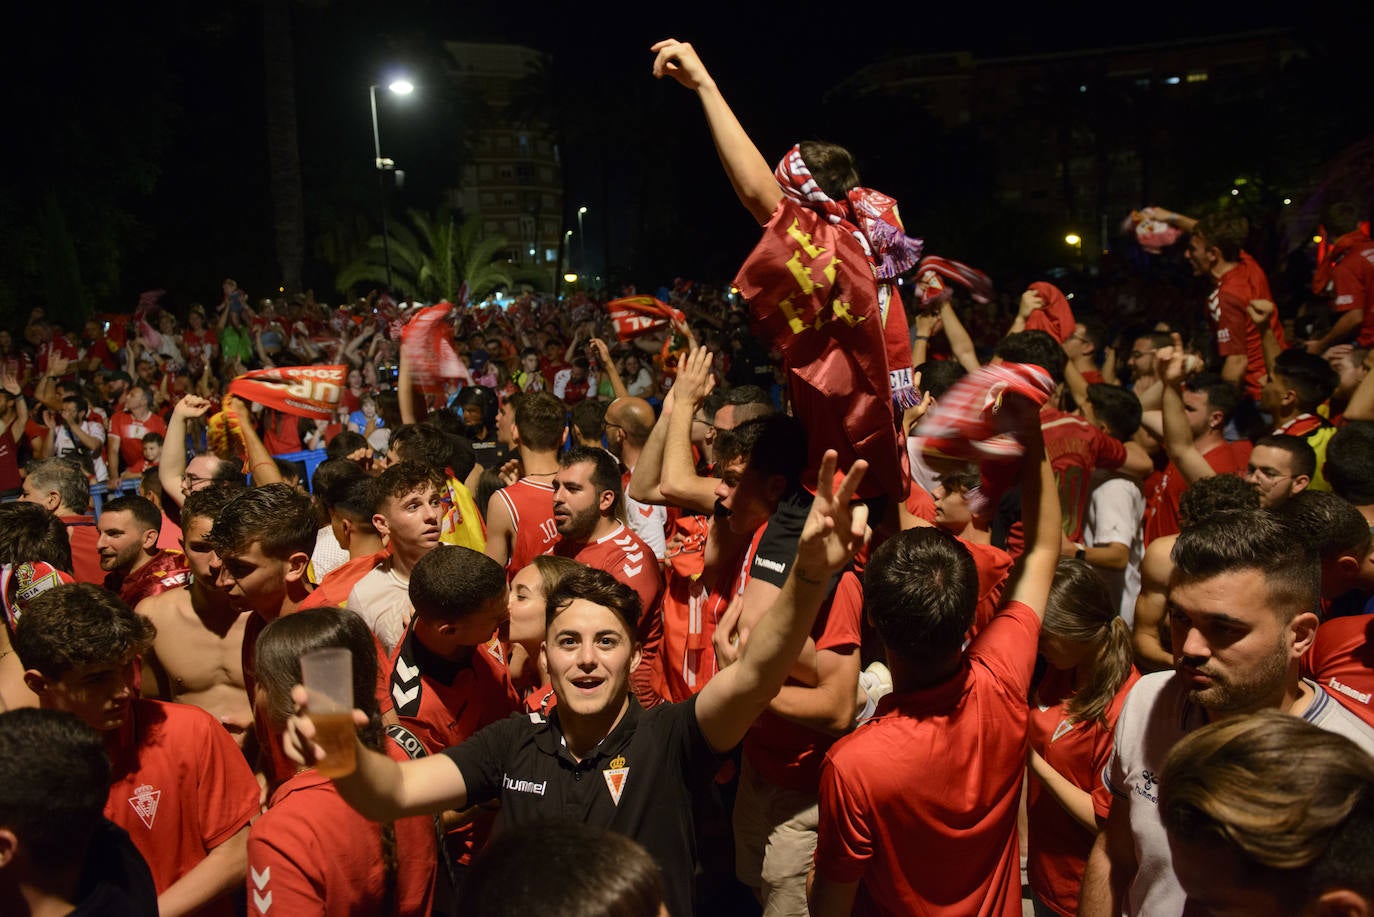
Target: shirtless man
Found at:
x=196, y=657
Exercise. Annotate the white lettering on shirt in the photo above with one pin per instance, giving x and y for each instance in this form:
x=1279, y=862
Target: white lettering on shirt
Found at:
x=523, y=786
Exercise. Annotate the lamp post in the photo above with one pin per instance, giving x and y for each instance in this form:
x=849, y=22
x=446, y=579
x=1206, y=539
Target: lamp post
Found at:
x=581, y=239
x=400, y=88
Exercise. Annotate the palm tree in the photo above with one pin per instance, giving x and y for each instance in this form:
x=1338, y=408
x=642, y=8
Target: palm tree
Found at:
x=432, y=258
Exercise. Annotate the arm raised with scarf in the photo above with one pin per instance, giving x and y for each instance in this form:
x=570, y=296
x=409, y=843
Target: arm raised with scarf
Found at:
x=745, y=166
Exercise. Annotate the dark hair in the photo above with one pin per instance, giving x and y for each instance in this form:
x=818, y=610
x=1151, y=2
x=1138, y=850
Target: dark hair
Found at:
x=206, y=503
x=748, y=394
x=143, y=510
x=1221, y=395
x=1334, y=527
x=1311, y=378
x=1117, y=407
x=1244, y=541
x=937, y=376
x=451, y=582
x=540, y=418
x=589, y=416
x=445, y=420
x=605, y=472
x=152, y=437
x=1206, y=498
x=64, y=476
x=1349, y=467
x=403, y=478
x=1081, y=608
x=28, y=532
x=1342, y=217
x=599, y=588
x=355, y=501
x=54, y=780
x=920, y=590
x=344, y=444
x=75, y=625
x=1224, y=230
x=331, y=477
x=1035, y=348
x=832, y=166
x=430, y=445
x=278, y=517
x=772, y=445
x=1292, y=801
x=1302, y=456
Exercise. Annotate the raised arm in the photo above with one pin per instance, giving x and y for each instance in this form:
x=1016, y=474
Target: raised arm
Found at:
x=833, y=531
x=603, y=354
x=1041, y=516
x=960, y=342
x=171, y=470
x=1178, y=437
x=260, y=464
x=679, y=482
x=745, y=166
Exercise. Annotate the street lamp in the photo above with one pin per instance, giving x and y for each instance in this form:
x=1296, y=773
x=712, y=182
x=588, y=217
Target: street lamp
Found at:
x=581, y=238
x=1076, y=241
x=400, y=87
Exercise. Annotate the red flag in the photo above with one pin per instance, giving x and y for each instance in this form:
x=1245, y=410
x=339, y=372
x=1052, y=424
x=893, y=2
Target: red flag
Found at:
x=304, y=391
x=636, y=315
x=812, y=294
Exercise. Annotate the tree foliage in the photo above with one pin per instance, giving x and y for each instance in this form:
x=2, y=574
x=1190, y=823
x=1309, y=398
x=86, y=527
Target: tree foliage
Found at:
x=431, y=257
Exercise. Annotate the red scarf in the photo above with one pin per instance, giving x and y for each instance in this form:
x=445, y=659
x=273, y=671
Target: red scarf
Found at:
x=636, y=315
x=303, y=391
x=427, y=345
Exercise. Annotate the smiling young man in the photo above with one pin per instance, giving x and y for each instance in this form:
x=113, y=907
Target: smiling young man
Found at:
x=1240, y=607
x=181, y=787
x=407, y=512
x=135, y=567
x=599, y=758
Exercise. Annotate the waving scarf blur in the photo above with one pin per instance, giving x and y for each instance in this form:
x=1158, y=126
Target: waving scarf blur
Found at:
x=636, y=315
x=427, y=346
x=303, y=391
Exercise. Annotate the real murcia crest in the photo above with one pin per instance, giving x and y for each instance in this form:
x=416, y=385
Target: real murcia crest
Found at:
x=145, y=801
x=616, y=775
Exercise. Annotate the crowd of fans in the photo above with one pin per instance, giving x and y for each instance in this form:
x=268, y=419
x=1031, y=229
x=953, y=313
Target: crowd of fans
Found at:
x=806, y=600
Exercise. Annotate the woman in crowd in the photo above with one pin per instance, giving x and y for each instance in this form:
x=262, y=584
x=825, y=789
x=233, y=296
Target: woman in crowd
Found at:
x=311, y=853
x=528, y=620
x=1073, y=712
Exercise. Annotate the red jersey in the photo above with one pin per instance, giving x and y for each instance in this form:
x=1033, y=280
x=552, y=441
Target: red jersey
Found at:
x=84, y=536
x=444, y=702
x=281, y=433
x=690, y=611
x=1161, y=503
x=530, y=504
x=1302, y=425
x=624, y=555
x=9, y=462
x=1339, y=661
x=994, y=566
x=311, y=853
x=164, y=570
x=1232, y=328
x=1351, y=280
x=199, y=347
x=919, y=804
x=131, y=433
x=1075, y=447
x=788, y=754
x=1059, y=845
x=180, y=787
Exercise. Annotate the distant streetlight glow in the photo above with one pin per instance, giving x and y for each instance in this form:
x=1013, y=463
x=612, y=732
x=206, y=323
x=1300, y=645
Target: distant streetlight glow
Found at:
x=570, y=277
x=1287, y=201
x=402, y=87
x=581, y=210
x=1073, y=239
x=1317, y=239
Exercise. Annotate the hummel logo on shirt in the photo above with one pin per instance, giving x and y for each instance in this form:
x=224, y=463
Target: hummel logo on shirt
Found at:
x=524, y=786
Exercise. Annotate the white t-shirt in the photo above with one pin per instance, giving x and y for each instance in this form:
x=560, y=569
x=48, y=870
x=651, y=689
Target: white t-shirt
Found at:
x=63, y=442
x=1115, y=509
x=329, y=554
x=382, y=599
x=1158, y=713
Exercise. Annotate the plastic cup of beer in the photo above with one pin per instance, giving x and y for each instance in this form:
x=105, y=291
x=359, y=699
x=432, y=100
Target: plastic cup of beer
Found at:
x=328, y=678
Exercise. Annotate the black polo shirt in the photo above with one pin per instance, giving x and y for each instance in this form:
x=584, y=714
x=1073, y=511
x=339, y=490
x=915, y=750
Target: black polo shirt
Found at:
x=639, y=781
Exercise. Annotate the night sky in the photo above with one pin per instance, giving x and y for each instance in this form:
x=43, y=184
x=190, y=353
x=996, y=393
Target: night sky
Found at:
x=143, y=128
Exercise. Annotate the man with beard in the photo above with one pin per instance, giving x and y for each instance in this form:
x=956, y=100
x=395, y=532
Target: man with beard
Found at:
x=135, y=567
x=196, y=657
x=628, y=424
x=1241, y=602
x=589, y=511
